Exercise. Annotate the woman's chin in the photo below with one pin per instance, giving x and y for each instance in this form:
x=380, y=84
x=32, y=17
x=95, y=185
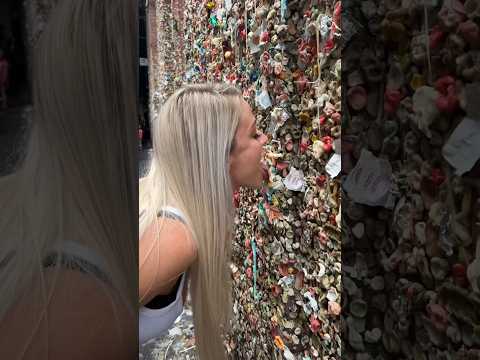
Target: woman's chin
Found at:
x=256, y=184
x=260, y=179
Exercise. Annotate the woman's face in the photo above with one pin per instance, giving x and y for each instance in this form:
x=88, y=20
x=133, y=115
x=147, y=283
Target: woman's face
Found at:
x=246, y=168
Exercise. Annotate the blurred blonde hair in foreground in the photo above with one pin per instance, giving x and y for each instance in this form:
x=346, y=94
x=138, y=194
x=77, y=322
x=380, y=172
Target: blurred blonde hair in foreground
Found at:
x=192, y=138
x=78, y=181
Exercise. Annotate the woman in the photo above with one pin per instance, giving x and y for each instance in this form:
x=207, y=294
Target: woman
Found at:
x=69, y=229
x=206, y=145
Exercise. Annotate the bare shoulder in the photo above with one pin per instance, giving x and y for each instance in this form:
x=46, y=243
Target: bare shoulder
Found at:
x=84, y=320
x=164, y=255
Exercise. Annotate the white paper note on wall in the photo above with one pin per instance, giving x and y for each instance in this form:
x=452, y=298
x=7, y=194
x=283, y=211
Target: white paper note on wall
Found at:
x=462, y=149
x=334, y=165
x=370, y=181
x=295, y=180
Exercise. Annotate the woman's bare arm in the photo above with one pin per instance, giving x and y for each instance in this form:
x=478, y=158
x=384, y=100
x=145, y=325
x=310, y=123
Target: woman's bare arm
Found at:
x=85, y=320
x=163, y=259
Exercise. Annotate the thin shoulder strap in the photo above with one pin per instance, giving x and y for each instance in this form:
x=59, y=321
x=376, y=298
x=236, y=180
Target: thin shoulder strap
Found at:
x=171, y=213
x=77, y=257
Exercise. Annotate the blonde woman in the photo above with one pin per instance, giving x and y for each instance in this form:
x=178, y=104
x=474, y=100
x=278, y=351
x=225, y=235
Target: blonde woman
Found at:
x=68, y=222
x=206, y=145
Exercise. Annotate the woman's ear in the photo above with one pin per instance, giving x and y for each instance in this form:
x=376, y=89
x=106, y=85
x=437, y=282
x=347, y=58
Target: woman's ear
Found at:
x=233, y=144
x=229, y=166
x=230, y=173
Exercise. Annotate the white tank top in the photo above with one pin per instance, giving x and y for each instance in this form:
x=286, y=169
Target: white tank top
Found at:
x=153, y=323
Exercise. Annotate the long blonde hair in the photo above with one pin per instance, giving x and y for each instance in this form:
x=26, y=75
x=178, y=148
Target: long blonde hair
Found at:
x=79, y=176
x=192, y=139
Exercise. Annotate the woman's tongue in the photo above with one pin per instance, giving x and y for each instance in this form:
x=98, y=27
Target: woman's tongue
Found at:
x=265, y=173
